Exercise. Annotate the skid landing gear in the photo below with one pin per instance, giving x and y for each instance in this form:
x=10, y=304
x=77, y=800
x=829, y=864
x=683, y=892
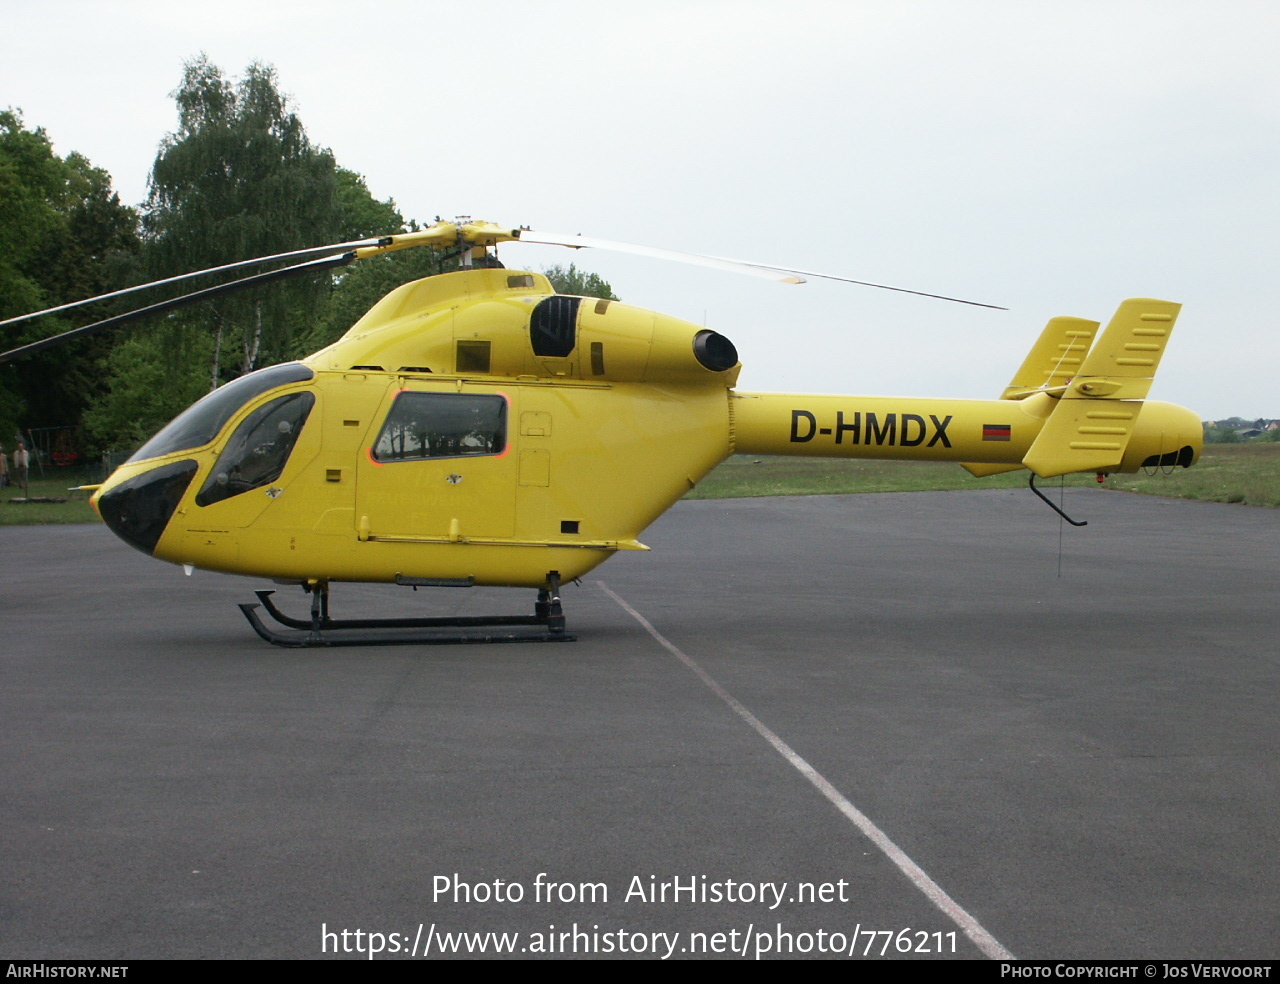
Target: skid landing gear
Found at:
x=546, y=624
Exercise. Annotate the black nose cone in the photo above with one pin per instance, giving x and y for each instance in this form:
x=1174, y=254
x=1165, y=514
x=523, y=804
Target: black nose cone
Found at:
x=139, y=509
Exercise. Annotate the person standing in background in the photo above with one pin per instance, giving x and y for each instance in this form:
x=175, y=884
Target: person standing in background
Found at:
x=21, y=460
x=4, y=468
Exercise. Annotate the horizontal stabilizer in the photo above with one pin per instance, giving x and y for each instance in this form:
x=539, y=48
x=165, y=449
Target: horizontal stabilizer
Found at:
x=1083, y=436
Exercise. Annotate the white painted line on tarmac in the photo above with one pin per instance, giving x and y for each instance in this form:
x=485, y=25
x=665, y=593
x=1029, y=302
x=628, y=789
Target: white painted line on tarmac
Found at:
x=971, y=928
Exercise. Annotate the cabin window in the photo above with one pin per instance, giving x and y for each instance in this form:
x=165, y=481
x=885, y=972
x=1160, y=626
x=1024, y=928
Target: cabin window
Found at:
x=258, y=450
x=442, y=425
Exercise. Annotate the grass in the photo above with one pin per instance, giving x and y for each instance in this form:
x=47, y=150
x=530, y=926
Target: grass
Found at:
x=1243, y=473
x=54, y=485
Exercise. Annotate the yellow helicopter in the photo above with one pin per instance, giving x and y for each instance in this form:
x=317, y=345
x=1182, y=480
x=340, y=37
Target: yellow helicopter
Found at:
x=477, y=428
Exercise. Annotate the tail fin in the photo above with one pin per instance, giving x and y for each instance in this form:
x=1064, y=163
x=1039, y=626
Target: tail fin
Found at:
x=1053, y=360
x=1090, y=427
x=1124, y=362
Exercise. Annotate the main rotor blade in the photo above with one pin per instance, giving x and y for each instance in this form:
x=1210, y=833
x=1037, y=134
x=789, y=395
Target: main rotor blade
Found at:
x=900, y=290
x=786, y=275
x=698, y=259
x=323, y=263
x=296, y=254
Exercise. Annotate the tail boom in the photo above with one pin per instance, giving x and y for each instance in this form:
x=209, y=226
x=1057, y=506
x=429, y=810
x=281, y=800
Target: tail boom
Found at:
x=992, y=435
x=997, y=431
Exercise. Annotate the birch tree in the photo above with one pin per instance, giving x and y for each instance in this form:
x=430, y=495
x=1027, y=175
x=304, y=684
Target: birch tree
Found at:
x=240, y=178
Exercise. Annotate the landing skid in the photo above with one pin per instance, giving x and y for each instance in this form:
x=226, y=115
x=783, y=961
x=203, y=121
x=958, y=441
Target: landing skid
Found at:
x=545, y=625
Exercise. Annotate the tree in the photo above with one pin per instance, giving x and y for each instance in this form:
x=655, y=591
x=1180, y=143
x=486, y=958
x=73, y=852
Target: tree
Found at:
x=1222, y=433
x=357, y=287
x=240, y=178
x=31, y=182
x=579, y=282
x=148, y=381
x=363, y=216
x=64, y=235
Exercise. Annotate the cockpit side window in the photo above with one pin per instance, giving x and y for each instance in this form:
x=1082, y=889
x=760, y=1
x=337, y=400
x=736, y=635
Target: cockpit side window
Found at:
x=442, y=425
x=200, y=423
x=258, y=450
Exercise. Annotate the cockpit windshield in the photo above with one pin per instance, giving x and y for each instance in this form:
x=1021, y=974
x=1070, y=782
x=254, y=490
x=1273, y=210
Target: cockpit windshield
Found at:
x=200, y=423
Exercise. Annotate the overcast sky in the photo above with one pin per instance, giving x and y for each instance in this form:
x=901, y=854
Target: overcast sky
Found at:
x=1054, y=157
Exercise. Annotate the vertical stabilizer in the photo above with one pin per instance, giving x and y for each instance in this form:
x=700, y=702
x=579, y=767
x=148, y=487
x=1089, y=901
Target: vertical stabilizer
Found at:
x=1055, y=358
x=1090, y=427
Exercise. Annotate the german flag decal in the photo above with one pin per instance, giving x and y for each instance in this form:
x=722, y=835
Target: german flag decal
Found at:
x=996, y=432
